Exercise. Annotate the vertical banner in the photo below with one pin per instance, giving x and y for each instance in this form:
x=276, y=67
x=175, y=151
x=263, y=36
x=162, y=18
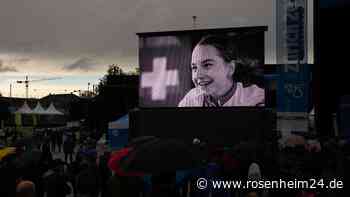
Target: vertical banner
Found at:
x=291, y=31
x=294, y=88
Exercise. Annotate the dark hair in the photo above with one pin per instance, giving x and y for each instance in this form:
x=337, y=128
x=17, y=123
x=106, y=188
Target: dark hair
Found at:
x=227, y=50
x=248, y=73
x=246, y=68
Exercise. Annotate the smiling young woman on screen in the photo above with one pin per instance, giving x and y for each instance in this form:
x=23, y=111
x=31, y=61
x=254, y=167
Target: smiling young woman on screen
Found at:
x=213, y=65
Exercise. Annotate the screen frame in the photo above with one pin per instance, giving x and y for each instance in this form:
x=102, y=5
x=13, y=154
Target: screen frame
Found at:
x=248, y=29
x=268, y=129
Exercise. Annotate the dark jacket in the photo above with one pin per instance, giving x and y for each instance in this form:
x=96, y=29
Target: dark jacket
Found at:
x=56, y=185
x=88, y=180
x=68, y=146
x=124, y=186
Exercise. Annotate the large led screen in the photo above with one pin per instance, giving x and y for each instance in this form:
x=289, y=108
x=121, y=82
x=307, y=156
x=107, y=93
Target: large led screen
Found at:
x=202, y=68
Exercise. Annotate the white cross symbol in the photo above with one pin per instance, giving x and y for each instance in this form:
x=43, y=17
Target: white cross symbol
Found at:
x=159, y=79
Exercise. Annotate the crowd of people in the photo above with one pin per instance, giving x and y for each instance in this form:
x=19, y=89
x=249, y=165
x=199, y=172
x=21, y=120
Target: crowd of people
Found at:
x=77, y=173
x=65, y=163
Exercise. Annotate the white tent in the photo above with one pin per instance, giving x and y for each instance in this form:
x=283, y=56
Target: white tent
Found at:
x=38, y=109
x=25, y=109
x=51, y=110
x=121, y=123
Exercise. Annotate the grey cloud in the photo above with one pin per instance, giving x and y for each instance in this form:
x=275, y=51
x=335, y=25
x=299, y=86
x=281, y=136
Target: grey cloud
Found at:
x=23, y=60
x=67, y=28
x=84, y=64
x=19, y=61
x=4, y=68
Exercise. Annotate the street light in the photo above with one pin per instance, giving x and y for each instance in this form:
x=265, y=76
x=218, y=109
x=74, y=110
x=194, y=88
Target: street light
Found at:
x=10, y=90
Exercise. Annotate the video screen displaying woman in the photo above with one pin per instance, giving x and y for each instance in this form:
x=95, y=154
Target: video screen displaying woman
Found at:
x=202, y=69
x=213, y=64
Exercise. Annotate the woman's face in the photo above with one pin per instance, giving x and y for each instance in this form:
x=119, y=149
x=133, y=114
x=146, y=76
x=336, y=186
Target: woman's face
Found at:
x=210, y=72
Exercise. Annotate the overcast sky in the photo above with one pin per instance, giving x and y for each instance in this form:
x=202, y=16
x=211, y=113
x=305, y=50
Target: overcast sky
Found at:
x=78, y=39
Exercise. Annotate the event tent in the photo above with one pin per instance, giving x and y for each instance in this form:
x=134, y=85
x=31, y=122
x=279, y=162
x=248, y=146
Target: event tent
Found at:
x=118, y=132
x=25, y=109
x=51, y=110
x=38, y=109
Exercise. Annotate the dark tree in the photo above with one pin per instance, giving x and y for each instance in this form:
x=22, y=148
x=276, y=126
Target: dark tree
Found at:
x=113, y=71
x=117, y=94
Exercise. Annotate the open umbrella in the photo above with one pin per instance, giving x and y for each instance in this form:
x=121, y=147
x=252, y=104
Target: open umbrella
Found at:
x=7, y=151
x=117, y=158
x=161, y=155
x=141, y=140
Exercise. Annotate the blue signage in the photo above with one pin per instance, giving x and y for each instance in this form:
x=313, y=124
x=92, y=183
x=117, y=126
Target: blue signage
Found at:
x=293, y=89
x=118, y=138
x=295, y=33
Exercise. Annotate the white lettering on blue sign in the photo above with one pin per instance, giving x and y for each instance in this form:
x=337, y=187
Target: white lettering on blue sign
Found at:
x=294, y=90
x=292, y=67
x=295, y=33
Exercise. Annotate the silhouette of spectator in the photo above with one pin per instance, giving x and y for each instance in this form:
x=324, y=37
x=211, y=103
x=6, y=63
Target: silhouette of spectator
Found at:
x=59, y=140
x=55, y=181
x=88, y=180
x=53, y=141
x=68, y=149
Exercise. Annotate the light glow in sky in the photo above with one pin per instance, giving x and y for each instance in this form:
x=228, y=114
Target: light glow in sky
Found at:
x=77, y=40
